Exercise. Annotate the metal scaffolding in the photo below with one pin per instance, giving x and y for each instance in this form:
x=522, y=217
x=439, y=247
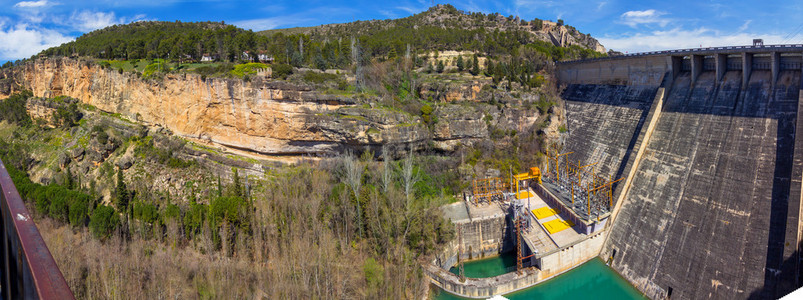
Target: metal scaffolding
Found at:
x=590, y=194
x=487, y=190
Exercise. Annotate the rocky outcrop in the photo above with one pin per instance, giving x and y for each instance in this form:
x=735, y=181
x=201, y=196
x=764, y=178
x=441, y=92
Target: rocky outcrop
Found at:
x=265, y=116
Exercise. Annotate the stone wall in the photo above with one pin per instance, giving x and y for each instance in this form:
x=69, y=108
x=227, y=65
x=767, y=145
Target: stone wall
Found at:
x=482, y=237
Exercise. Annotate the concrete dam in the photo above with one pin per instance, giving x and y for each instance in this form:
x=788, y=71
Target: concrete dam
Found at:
x=705, y=140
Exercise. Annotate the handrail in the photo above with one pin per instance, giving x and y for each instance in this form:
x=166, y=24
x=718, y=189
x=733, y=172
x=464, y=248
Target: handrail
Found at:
x=28, y=269
x=760, y=48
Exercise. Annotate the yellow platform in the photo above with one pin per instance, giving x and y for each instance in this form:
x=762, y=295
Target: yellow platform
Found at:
x=544, y=212
x=555, y=226
x=524, y=195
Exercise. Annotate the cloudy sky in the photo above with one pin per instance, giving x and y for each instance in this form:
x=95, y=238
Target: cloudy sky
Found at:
x=27, y=27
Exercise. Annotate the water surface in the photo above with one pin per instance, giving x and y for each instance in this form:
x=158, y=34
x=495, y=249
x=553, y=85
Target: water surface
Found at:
x=488, y=267
x=591, y=280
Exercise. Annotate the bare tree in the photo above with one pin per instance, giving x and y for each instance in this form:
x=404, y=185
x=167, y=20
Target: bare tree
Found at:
x=356, y=58
x=387, y=172
x=353, y=170
x=409, y=177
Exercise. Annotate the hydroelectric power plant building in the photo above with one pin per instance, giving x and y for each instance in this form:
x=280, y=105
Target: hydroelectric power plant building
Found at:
x=708, y=206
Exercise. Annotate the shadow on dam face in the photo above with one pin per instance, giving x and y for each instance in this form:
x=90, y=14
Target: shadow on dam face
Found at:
x=693, y=246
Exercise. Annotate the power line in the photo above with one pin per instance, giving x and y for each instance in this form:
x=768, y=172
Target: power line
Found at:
x=792, y=35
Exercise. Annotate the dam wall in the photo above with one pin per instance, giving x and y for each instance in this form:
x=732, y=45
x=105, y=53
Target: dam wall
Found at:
x=712, y=202
x=641, y=71
x=482, y=235
x=603, y=122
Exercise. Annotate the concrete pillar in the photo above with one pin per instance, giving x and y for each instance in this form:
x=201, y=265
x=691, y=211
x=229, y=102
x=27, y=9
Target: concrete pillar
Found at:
x=676, y=65
x=747, y=68
x=775, y=66
x=696, y=67
x=722, y=66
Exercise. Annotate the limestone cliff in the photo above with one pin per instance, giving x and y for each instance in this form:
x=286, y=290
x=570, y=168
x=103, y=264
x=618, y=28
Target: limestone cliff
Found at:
x=266, y=116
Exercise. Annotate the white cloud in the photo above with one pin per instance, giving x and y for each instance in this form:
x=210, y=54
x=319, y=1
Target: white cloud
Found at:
x=410, y=9
x=634, y=18
x=387, y=13
x=32, y=4
x=87, y=21
x=269, y=23
x=21, y=42
x=744, y=26
x=601, y=4
x=680, y=39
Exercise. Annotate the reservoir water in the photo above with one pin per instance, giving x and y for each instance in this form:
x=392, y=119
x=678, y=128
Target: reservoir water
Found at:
x=488, y=267
x=591, y=280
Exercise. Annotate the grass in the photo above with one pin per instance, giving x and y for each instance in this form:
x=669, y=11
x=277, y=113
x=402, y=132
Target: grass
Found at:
x=360, y=118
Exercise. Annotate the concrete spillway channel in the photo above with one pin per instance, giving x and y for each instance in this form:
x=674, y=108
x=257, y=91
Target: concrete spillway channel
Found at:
x=707, y=141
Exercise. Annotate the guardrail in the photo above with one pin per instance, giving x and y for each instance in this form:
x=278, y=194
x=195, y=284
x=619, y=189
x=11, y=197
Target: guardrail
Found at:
x=763, y=48
x=28, y=269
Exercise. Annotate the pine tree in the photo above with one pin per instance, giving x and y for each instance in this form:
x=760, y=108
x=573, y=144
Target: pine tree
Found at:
x=219, y=187
x=121, y=192
x=475, y=68
x=440, y=66
x=460, y=64
x=238, y=191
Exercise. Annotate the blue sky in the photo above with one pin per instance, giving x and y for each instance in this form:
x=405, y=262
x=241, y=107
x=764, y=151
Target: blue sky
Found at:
x=27, y=27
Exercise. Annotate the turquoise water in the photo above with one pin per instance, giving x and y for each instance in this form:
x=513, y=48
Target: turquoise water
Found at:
x=487, y=267
x=591, y=280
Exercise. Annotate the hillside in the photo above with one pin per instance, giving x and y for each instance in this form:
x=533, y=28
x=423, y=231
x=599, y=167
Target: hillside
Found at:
x=440, y=28
x=444, y=27
x=191, y=143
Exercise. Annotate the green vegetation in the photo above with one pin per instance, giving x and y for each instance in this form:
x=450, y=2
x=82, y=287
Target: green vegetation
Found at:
x=243, y=70
x=146, y=149
x=12, y=109
x=440, y=28
x=158, y=66
x=281, y=71
x=67, y=115
x=173, y=40
x=103, y=222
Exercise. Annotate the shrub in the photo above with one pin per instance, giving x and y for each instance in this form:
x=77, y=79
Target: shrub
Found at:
x=146, y=212
x=242, y=70
x=59, y=209
x=103, y=221
x=374, y=273
x=426, y=113
x=194, y=218
x=231, y=209
x=281, y=71
x=13, y=109
x=67, y=116
x=78, y=212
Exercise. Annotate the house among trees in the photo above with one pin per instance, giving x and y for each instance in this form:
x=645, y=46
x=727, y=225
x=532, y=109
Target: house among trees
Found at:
x=264, y=57
x=209, y=58
x=247, y=56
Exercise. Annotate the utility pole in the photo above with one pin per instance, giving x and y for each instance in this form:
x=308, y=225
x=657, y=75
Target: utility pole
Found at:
x=461, y=267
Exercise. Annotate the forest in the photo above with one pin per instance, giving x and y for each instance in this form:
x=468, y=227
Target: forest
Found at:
x=335, y=46
x=368, y=222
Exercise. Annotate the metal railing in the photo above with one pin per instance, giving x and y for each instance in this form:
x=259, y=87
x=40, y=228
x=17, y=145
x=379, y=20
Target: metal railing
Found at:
x=689, y=51
x=28, y=269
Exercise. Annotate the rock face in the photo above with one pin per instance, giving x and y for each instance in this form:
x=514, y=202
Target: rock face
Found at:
x=265, y=116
